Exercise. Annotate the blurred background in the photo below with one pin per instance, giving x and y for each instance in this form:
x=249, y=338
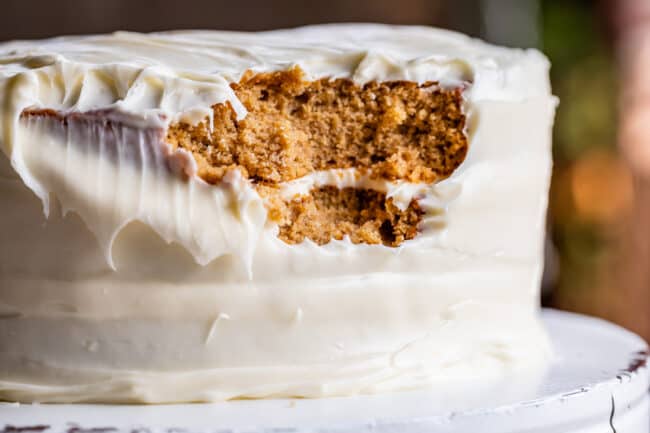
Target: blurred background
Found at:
x=598, y=254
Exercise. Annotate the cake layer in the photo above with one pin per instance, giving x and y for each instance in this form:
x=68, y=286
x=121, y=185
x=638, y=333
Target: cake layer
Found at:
x=143, y=282
x=293, y=127
x=363, y=215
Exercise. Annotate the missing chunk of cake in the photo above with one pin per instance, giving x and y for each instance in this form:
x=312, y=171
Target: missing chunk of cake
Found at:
x=387, y=131
x=392, y=130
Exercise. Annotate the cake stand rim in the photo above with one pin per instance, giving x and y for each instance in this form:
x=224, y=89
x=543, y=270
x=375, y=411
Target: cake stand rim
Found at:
x=628, y=389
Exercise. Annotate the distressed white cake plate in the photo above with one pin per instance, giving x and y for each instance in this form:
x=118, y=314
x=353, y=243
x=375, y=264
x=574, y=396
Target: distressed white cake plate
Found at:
x=599, y=383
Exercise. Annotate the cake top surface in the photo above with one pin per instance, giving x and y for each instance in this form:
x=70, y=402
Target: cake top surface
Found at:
x=182, y=72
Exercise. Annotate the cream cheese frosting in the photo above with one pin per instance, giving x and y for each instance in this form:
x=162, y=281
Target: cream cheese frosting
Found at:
x=140, y=282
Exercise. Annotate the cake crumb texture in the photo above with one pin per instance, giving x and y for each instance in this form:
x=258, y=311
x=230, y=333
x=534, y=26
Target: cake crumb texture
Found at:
x=392, y=130
x=327, y=213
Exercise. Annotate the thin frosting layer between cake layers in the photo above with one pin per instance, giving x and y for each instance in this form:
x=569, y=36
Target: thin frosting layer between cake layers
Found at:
x=154, y=277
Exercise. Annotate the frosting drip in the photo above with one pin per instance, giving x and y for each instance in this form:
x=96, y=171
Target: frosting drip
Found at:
x=127, y=176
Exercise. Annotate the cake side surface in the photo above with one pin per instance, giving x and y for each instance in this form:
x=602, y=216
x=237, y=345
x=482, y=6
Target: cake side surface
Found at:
x=161, y=282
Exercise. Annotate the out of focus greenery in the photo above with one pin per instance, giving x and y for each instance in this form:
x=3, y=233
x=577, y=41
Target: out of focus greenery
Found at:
x=591, y=187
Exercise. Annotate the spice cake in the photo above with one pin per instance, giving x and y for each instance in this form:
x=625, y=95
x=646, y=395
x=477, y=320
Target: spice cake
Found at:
x=328, y=210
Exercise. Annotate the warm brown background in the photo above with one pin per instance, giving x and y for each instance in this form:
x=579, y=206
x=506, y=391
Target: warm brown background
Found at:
x=33, y=18
x=599, y=219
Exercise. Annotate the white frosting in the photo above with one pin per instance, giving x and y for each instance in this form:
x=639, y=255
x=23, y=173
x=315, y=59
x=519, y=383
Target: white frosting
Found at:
x=432, y=197
x=148, y=285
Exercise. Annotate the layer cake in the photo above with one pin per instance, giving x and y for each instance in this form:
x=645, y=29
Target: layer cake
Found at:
x=328, y=210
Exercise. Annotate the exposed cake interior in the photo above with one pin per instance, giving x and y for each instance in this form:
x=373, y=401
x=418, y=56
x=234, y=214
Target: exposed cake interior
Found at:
x=391, y=131
x=395, y=130
x=364, y=215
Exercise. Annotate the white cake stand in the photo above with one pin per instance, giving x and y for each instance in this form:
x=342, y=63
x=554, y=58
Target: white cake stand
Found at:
x=599, y=383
